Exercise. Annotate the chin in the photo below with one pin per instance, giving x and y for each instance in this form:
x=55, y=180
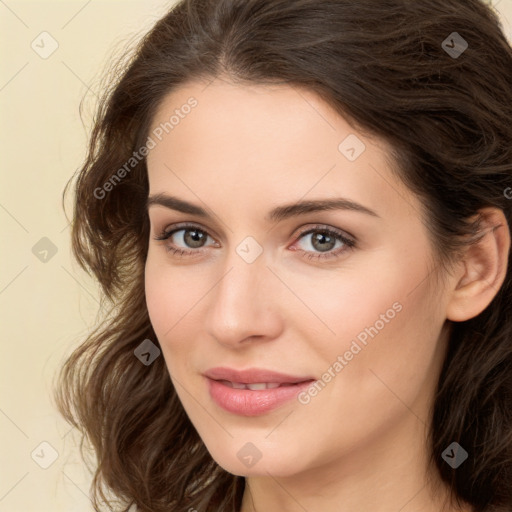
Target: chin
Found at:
x=248, y=461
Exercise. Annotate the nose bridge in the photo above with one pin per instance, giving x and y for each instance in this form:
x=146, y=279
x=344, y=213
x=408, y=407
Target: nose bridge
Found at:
x=243, y=282
x=246, y=271
x=242, y=302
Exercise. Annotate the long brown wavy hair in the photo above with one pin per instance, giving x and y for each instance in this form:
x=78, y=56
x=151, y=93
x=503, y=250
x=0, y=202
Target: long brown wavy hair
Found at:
x=381, y=64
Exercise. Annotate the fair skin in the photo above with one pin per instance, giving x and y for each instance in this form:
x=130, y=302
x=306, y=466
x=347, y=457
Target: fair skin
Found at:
x=359, y=443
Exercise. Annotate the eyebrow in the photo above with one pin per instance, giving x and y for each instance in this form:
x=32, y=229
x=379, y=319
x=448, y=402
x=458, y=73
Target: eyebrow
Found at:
x=277, y=214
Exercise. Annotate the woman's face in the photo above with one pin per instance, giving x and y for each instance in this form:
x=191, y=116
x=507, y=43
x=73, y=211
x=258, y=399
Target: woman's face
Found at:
x=345, y=318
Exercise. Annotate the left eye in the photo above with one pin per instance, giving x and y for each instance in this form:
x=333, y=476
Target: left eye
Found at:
x=324, y=240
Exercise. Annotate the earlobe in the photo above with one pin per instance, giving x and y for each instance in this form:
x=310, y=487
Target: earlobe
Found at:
x=484, y=268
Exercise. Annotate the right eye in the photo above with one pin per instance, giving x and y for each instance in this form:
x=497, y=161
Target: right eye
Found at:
x=191, y=237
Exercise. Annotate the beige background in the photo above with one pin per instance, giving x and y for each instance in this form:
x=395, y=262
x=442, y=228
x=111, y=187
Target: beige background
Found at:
x=48, y=306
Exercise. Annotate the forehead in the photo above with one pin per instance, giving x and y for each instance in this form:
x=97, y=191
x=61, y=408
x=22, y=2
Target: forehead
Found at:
x=271, y=141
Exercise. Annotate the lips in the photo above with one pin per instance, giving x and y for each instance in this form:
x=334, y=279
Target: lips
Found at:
x=253, y=392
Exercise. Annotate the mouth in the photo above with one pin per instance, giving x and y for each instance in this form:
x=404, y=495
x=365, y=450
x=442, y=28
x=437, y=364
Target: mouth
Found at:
x=253, y=392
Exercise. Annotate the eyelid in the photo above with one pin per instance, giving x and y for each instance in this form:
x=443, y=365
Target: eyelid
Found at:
x=327, y=228
x=167, y=231
x=171, y=228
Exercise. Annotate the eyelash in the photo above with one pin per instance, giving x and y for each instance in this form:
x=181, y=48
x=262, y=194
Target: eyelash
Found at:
x=348, y=243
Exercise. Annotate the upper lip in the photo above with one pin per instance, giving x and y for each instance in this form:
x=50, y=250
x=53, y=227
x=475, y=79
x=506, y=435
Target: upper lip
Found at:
x=253, y=376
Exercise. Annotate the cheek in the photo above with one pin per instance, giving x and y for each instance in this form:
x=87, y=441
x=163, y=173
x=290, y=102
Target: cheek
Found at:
x=166, y=290
x=389, y=362
x=167, y=298
x=159, y=299
x=174, y=297
x=383, y=322
x=351, y=302
x=368, y=386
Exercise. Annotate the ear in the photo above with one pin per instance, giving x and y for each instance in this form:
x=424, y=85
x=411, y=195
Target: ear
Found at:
x=483, y=268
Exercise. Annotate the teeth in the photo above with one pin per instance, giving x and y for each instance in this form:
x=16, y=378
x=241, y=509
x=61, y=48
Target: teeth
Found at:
x=257, y=386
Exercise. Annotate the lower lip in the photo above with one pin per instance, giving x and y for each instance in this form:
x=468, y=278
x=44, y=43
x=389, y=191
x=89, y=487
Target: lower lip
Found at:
x=246, y=402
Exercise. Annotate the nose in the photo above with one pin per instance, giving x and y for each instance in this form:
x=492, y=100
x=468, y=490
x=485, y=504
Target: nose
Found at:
x=245, y=304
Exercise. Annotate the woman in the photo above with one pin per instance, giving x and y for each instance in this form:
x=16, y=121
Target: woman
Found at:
x=300, y=212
